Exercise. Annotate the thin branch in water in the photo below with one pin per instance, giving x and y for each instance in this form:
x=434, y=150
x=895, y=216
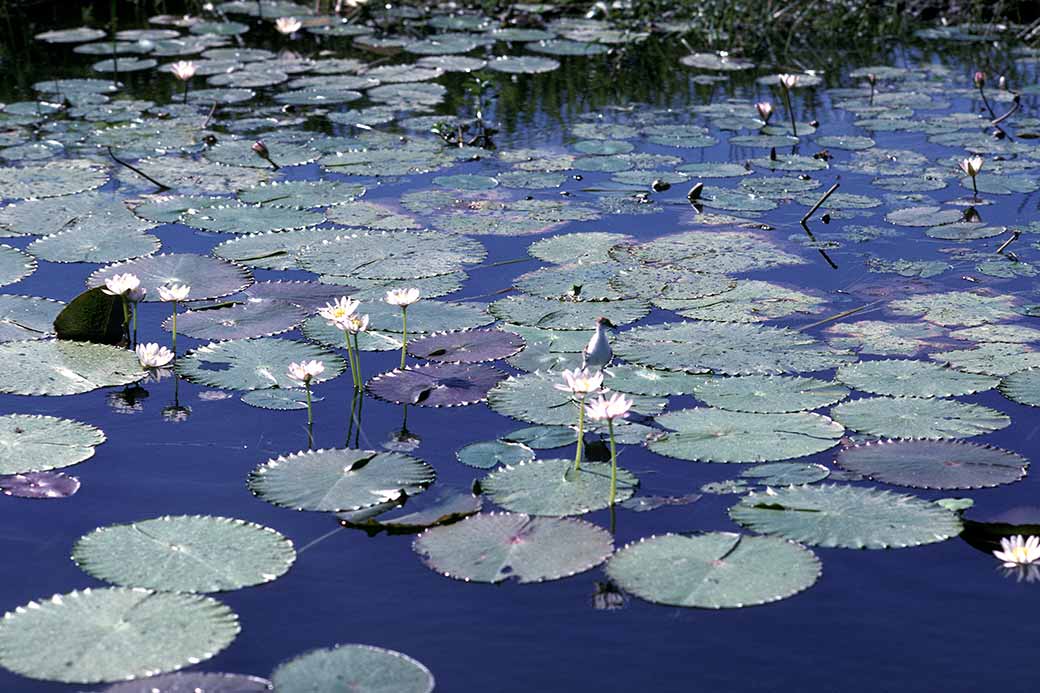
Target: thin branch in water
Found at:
x=1005, y=244
x=819, y=202
x=839, y=316
x=137, y=171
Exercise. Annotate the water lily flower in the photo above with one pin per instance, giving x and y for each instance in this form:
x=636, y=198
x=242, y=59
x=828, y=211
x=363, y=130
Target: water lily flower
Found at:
x=403, y=298
x=1019, y=551
x=288, y=25
x=152, y=355
x=303, y=372
x=357, y=323
x=184, y=70
x=121, y=284
x=603, y=409
x=789, y=81
x=264, y=153
x=765, y=110
x=971, y=167
x=339, y=311
x=581, y=383
x=174, y=294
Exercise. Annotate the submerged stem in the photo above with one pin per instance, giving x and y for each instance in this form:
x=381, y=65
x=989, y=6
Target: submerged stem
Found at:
x=174, y=330
x=613, y=462
x=404, y=333
x=350, y=359
x=790, y=111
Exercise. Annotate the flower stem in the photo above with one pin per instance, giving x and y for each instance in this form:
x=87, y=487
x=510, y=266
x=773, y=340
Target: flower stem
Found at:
x=357, y=363
x=126, y=317
x=974, y=188
x=174, y=339
x=135, y=323
x=310, y=413
x=613, y=462
x=350, y=359
x=404, y=333
x=185, y=91
x=581, y=434
x=790, y=111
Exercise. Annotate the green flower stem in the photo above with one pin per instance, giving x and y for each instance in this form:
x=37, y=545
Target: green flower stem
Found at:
x=357, y=364
x=186, y=90
x=404, y=333
x=174, y=339
x=135, y=323
x=974, y=188
x=310, y=412
x=581, y=433
x=790, y=111
x=350, y=359
x=613, y=462
x=126, y=316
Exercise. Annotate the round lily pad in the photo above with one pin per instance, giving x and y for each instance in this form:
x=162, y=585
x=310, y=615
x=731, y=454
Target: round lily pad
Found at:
x=715, y=570
x=208, y=277
x=494, y=547
x=649, y=381
x=542, y=437
x=31, y=443
x=717, y=435
x=15, y=265
x=247, y=218
x=491, y=453
x=278, y=399
x=584, y=248
x=58, y=367
x=254, y=364
x=467, y=346
x=936, y=464
x=186, y=553
x=52, y=179
x=552, y=487
x=848, y=517
x=194, y=682
x=769, y=394
x=144, y=633
x=27, y=317
x=785, y=473
x=240, y=321
x=437, y=384
x=339, y=480
x=357, y=668
x=907, y=378
x=566, y=315
x=94, y=245
x=912, y=417
x=1022, y=387
x=534, y=398
x=391, y=255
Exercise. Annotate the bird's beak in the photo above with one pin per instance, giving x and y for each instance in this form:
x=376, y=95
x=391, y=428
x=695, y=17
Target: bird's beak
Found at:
x=609, y=323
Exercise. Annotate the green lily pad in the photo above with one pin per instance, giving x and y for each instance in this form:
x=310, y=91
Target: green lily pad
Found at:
x=33, y=443
x=552, y=487
x=582, y=248
x=911, y=417
x=363, y=668
x=566, y=315
x=101, y=245
x=534, y=398
x=185, y=553
x=934, y=464
x=766, y=394
x=59, y=367
x=247, y=218
x=846, y=517
x=254, y=364
x=27, y=317
x=962, y=308
x=785, y=473
x=491, y=453
x=208, y=277
x=906, y=378
x=15, y=265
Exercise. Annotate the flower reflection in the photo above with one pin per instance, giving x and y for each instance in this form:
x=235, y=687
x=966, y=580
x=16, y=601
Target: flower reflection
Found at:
x=127, y=401
x=608, y=597
x=176, y=413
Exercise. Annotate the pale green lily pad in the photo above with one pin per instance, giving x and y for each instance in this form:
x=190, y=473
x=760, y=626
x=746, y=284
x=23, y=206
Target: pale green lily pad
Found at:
x=274, y=250
x=566, y=315
x=144, y=633
x=924, y=216
x=1022, y=387
x=185, y=553
x=769, y=394
x=716, y=570
x=726, y=348
x=305, y=194
x=391, y=255
x=746, y=301
x=721, y=251
x=208, y=277
x=365, y=669
x=240, y=321
x=33, y=443
x=84, y=211
x=582, y=248
x=961, y=308
x=717, y=435
x=672, y=285
x=372, y=216
x=101, y=245
x=934, y=464
x=495, y=547
x=648, y=381
x=576, y=282
x=27, y=317
x=57, y=367
x=522, y=64
x=883, y=338
x=240, y=153
x=1015, y=334
x=15, y=265
x=906, y=378
x=911, y=417
x=534, y=398
x=248, y=219
x=552, y=487
x=785, y=473
x=254, y=364
x=991, y=358
x=542, y=437
x=278, y=399
x=491, y=453
x=846, y=517
x=339, y=480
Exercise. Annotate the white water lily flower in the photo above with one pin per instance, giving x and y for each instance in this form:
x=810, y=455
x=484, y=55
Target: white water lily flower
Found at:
x=357, y=323
x=603, y=409
x=402, y=297
x=765, y=110
x=580, y=382
x=1019, y=551
x=184, y=70
x=339, y=312
x=288, y=25
x=175, y=292
x=972, y=165
x=152, y=355
x=304, y=371
x=789, y=81
x=121, y=284
x=137, y=295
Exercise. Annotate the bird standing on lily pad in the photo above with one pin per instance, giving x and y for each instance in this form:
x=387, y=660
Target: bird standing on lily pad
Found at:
x=598, y=352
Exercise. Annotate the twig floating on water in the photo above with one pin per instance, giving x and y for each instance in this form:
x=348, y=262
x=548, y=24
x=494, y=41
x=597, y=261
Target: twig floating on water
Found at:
x=819, y=202
x=137, y=171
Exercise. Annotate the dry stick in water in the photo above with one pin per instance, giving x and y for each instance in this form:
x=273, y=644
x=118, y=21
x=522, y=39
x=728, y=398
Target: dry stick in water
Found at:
x=819, y=202
x=839, y=316
x=1005, y=244
x=137, y=171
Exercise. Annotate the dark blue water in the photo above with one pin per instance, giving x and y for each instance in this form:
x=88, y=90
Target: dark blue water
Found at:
x=940, y=617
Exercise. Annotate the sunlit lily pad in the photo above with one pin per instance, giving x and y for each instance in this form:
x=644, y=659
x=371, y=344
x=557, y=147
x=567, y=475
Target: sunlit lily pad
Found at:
x=247, y=218
x=361, y=668
x=769, y=394
x=491, y=453
x=785, y=473
x=846, y=517
x=52, y=179
x=36, y=443
x=208, y=277
x=962, y=308
x=911, y=417
x=194, y=682
x=935, y=464
x=240, y=321
x=552, y=487
x=185, y=553
x=566, y=315
x=534, y=398
x=254, y=364
x=716, y=570
x=494, y=547
x=585, y=248
x=467, y=346
x=906, y=378
x=144, y=632
x=1022, y=387
x=58, y=367
x=102, y=245
x=27, y=317
x=716, y=435
x=437, y=384
x=15, y=265
x=339, y=480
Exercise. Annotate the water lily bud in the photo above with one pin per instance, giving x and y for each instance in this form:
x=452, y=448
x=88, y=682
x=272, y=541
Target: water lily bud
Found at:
x=261, y=150
x=765, y=110
x=980, y=79
x=1002, y=83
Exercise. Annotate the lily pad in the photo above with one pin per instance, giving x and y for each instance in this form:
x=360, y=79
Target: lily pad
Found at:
x=552, y=487
x=1022, y=387
x=437, y=384
x=467, y=346
x=254, y=364
x=785, y=473
x=186, y=553
x=101, y=245
x=491, y=453
x=358, y=668
x=846, y=517
x=566, y=315
x=208, y=277
x=495, y=547
x=716, y=570
x=765, y=394
x=240, y=321
x=534, y=398
x=911, y=417
x=934, y=464
x=194, y=682
x=31, y=443
x=27, y=317
x=59, y=367
x=906, y=378
x=15, y=265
